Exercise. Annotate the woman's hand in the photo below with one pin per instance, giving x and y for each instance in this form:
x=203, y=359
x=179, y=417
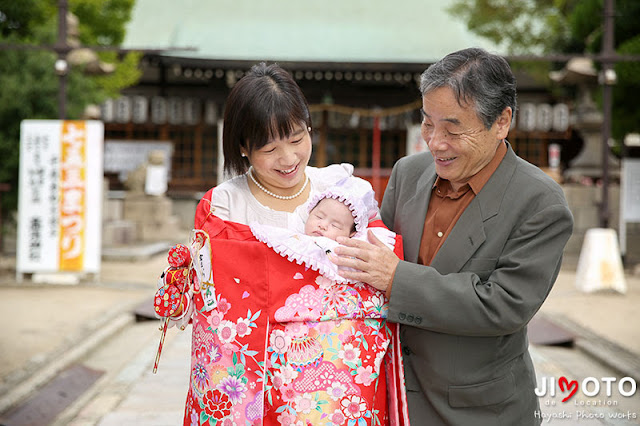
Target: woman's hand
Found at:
x=374, y=262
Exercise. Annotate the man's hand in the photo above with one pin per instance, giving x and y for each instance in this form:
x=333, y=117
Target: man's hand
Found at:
x=374, y=262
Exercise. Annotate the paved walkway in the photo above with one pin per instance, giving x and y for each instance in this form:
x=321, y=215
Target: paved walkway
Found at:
x=52, y=326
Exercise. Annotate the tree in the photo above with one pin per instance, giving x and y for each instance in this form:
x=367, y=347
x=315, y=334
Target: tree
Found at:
x=522, y=26
x=28, y=83
x=587, y=28
x=564, y=26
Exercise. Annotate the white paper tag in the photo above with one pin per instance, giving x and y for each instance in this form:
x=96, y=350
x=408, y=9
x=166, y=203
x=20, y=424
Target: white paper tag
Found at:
x=208, y=293
x=201, y=254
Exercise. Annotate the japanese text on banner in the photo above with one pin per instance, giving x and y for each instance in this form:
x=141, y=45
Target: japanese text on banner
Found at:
x=73, y=195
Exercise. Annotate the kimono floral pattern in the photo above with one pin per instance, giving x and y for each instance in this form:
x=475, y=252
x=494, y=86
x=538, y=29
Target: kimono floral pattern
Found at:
x=321, y=366
x=311, y=354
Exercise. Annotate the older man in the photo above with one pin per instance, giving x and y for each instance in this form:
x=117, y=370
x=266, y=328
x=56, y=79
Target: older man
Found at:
x=484, y=233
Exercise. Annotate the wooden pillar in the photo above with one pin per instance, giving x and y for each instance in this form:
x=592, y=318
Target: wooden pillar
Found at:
x=362, y=154
x=375, y=159
x=164, y=132
x=322, y=143
x=196, y=160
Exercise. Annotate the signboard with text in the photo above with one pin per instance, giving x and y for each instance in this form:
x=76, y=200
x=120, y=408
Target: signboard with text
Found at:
x=124, y=156
x=60, y=196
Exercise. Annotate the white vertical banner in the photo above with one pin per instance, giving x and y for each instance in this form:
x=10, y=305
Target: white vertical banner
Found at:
x=629, y=198
x=220, y=169
x=60, y=196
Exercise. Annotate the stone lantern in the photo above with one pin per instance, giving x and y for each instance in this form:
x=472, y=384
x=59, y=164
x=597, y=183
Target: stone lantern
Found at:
x=587, y=120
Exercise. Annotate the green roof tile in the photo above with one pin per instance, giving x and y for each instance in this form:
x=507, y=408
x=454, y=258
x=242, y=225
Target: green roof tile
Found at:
x=401, y=31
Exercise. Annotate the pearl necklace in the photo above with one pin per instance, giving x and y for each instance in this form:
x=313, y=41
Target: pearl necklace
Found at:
x=279, y=197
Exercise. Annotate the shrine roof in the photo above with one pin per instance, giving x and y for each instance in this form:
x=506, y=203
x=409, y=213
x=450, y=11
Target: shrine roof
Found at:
x=351, y=31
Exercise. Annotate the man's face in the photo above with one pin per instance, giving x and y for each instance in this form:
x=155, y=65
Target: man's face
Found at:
x=329, y=218
x=460, y=144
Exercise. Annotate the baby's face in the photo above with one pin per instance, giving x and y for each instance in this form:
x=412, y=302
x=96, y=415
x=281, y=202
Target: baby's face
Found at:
x=329, y=218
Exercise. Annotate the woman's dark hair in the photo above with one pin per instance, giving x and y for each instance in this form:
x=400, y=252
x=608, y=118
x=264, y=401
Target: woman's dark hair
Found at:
x=264, y=104
x=477, y=78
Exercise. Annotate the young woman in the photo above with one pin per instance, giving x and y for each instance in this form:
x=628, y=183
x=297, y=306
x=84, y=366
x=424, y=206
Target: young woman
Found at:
x=274, y=342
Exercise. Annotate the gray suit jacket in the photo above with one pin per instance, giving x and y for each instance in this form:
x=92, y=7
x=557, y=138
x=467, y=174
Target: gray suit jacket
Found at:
x=464, y=332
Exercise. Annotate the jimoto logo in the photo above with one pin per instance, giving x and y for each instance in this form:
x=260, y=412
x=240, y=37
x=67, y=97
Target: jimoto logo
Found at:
x=590, y=387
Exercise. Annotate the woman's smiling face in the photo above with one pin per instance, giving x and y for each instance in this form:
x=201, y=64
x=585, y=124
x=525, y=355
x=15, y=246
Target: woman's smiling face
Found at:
x=459, y=142
x=279, y=165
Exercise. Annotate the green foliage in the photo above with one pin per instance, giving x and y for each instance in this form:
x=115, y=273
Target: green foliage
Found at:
x=28, y=83
x=563, y=26
x=29, y=94
x=522, y=26
x=102, y=22
x=584, y=28
x=126, y=74
x=626, y=114
x=19, y=19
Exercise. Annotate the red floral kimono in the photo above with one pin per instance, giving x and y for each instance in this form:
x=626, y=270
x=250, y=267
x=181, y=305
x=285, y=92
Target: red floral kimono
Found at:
x=275, y=343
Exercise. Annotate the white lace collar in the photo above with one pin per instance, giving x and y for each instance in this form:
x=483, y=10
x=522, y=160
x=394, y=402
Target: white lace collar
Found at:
x=312, y=251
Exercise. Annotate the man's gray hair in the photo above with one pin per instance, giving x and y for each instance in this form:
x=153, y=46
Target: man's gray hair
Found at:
x=477, y=78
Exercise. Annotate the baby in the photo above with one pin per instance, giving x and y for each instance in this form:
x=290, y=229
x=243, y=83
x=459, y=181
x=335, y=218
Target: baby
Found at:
x=348, y=206
x=330, y=218
x=345, y=209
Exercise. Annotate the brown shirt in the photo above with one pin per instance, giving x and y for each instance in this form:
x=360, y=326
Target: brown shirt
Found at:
x=446, y=206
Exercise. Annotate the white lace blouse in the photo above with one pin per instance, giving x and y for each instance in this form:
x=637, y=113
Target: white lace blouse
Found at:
x=233, y=200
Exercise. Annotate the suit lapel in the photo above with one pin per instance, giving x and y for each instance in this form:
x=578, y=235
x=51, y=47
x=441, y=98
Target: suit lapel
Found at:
x=416, y=211
x=465, y=238
x=468, y=233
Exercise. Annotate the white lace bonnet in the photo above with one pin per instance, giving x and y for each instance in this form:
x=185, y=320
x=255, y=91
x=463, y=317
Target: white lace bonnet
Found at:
x=355, y=193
